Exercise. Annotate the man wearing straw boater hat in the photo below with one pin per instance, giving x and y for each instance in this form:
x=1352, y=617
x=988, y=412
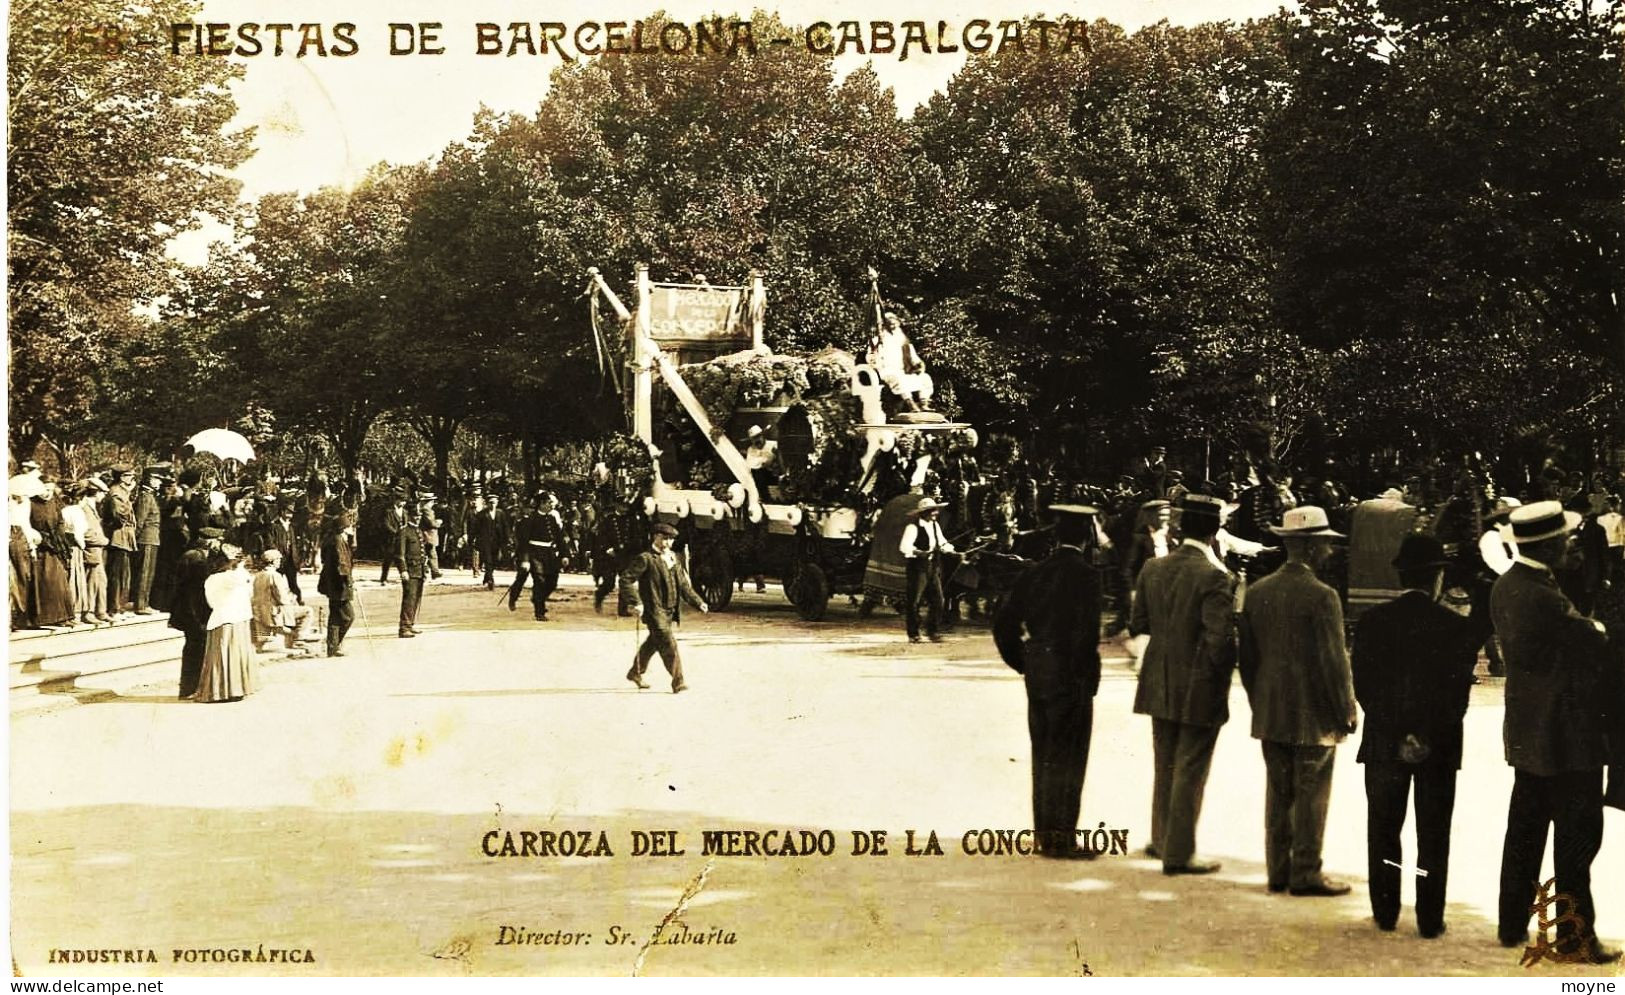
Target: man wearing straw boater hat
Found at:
x=1556, y=733
x=1296, y=669
x=1185, y=602
x=923, y=546
x=1413, y=669
x=1058, y=604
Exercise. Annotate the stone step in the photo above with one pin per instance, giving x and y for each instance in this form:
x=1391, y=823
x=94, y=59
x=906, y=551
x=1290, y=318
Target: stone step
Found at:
x=108, y=672
x=126, y=624
x=78, y=650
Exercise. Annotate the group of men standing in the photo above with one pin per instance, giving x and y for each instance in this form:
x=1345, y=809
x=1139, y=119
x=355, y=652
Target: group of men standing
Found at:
x=1411, y=671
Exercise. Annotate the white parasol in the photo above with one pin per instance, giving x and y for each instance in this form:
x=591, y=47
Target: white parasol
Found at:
x=26, y=485
x=223, y=443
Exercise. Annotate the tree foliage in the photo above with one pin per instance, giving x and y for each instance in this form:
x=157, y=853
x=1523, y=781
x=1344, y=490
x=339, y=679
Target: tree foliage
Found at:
x=109, y=155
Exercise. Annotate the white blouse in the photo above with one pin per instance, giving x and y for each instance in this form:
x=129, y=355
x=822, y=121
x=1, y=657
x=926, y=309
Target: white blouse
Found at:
x=230, y=594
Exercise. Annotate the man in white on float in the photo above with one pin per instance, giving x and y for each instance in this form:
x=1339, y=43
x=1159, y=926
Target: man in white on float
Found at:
x=901, y=369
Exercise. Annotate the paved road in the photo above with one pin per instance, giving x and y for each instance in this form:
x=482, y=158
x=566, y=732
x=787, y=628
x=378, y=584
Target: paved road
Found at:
x=344, y=810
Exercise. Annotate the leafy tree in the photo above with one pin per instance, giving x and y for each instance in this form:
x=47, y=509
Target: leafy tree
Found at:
x=719, y=164
x=1448, y=188
x=1100, y=220
x=313, y=331
x=110, y=153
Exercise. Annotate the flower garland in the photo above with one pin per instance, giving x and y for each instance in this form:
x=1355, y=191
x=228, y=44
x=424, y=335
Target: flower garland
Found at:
x=749, y=380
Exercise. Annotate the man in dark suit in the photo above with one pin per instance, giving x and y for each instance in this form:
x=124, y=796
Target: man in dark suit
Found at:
x=337, y=580
x=1557, y=730
x=538, y=544
x=658, y=580
x=148, y=526
x=118, y=521
x=396, y=515
x=281, y=536
x=412, y=559
x=1058, y=603
x=482, y=540
x=1186, y=602
x=620, y=532
x=1413, y=667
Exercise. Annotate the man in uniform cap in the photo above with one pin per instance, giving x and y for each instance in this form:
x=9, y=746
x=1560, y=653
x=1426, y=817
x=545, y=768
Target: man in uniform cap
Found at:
x=1058, y=604
x=1296, y=668
x=1557, y=730
x=148, y=526
x=656, y=578
x=923, y=546
x=411, y=556
x=1413, y=667
x=1185, y=602
x=118, y=521
x=536, y=547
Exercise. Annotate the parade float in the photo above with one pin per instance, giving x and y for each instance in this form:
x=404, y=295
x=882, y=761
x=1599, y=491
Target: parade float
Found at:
x=770, y=465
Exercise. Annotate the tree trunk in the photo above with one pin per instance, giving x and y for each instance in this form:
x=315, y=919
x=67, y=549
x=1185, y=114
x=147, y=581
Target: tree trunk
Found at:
x=440, y=432
x=348, y=432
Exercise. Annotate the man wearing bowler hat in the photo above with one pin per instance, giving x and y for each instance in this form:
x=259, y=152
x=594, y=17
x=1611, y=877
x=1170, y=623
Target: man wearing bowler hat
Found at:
x=923, y=546
x=1413, y=668
x=1185, y=601
x=657, y=579
x=1296, y=669
x=1058, y=604
x=1556, y=731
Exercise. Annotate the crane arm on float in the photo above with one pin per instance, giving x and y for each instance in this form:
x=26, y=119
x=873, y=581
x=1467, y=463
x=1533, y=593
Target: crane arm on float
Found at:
x=648, y=350
x=731, y=457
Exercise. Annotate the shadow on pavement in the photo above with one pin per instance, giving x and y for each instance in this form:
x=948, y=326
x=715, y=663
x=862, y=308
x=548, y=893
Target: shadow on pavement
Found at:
x=372, y=892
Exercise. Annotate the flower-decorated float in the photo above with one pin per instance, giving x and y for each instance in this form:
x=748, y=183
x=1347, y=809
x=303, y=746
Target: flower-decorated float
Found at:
x=770, y=466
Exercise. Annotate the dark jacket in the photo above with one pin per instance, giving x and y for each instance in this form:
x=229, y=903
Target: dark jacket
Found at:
x=658, y=589
x=1058, y=602
x=1186, y=602
x=1556, y=691
x=280, y=537
x=411, y=553
x=189, y=609
x=148, y=518
x=1413, y=668
x=338, y=563
x=118, y=518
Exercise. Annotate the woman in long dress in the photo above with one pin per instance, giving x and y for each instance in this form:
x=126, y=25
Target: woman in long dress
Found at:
x=53, y=587
x=230, y=669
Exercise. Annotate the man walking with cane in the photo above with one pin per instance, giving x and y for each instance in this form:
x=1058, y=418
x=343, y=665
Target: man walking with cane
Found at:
x=657, y=580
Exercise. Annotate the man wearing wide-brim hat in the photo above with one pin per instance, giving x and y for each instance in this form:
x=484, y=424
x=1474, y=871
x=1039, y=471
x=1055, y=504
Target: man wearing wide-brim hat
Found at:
x=1557, y=730
x=1057, y=603
x=1413, y=668
x=1184, y=601
x=1296, y=668
x=923, y=546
